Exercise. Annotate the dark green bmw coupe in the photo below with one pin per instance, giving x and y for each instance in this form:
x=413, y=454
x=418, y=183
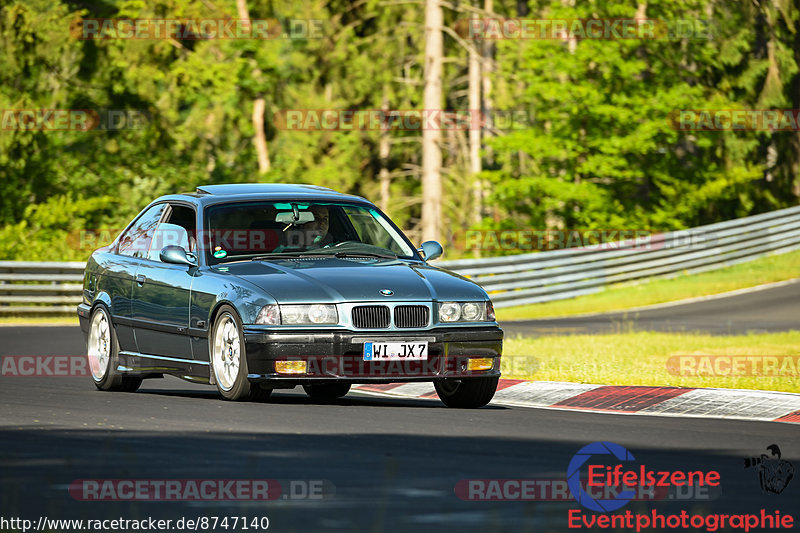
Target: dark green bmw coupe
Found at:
x=255, y=287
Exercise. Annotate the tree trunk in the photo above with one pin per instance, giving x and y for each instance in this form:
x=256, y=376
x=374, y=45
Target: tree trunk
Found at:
x=383, y=155
x=260, y=138
x=241, y=7
x=259, y=106
x=431, y=137
x=475, y=167
x=486, y=80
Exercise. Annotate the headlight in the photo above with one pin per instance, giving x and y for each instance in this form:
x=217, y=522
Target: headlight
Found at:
x=322, y=314
x=472, y=311
x=449, y=312
x=466, y=312
x=309, y=314
x=292, y=315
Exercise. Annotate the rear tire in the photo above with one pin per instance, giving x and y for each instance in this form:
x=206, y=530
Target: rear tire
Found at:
x=326, y=392
x=466, y=394
x=102, y=349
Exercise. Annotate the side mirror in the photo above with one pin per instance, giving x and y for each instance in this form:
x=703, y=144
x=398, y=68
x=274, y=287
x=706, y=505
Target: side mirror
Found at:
x=430, y=250
x=176, y=255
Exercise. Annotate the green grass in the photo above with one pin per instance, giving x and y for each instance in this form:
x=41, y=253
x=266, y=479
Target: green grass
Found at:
x=625, y=296
x=641, y=359
x=43, y=320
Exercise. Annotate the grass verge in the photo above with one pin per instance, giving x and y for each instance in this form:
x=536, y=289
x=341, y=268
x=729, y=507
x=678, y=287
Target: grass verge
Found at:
x=642, y=359
x=625, y=296
x=43, y=320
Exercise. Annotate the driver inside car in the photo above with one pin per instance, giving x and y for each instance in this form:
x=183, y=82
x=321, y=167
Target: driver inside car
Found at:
x=316, y=231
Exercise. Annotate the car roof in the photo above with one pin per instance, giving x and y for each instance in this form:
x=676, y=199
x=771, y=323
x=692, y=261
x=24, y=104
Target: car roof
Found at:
x=233, y=192
x=260, y=188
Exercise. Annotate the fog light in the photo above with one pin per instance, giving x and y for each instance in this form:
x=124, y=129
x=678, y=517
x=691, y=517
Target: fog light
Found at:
x=480, y=363
x=290, y=367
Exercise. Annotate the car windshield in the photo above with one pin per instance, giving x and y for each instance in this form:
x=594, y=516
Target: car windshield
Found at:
x=273, y=230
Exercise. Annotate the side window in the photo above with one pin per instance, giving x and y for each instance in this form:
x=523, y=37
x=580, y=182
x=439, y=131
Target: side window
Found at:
x=136, y=241
x=178, y=228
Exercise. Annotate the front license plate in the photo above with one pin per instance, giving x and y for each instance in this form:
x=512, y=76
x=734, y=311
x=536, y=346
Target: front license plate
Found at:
x=405, y=351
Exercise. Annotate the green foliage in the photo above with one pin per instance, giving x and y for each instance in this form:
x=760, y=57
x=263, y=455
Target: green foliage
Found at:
x=599, y=149
x=56, y=229
x=596, y=150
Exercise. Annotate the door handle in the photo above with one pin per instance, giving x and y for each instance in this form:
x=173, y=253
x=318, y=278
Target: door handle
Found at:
x=140, y=279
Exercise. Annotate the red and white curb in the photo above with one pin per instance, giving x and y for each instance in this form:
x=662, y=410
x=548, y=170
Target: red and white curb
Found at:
x=639, y=400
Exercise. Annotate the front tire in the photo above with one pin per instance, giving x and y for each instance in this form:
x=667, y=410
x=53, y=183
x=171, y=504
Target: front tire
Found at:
x=102, y=349
x=229, y=359
x=466, y=394
x=326, y=392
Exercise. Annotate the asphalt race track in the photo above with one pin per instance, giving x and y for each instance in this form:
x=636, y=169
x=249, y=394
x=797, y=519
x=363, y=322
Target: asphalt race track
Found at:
x=384, y=464
x=762, y=311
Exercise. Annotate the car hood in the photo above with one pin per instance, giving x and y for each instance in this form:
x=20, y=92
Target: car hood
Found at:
x=309, y=280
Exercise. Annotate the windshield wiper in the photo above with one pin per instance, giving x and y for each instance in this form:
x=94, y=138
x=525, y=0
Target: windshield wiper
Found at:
x=286, y=255
x=365, y=254
x=318, y=254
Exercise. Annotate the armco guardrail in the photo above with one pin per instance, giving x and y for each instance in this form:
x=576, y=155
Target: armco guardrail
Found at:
x=560, y=274
x=52, y=288
x=40, y=287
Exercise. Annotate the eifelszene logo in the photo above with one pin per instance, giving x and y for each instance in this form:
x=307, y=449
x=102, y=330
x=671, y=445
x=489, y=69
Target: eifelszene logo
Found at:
x=774, y=473
x=623, y=480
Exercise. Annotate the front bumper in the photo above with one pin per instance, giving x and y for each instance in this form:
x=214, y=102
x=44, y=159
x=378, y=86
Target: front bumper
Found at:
x=337, y=355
